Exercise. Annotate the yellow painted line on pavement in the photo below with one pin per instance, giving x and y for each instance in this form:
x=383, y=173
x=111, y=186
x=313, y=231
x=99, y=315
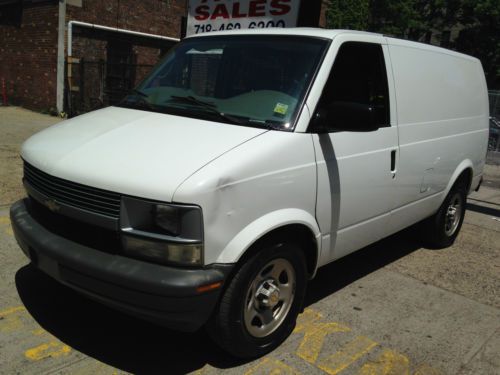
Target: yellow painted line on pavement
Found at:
x=314, y=334
x=5, y=224
x=10, y=324
x=50, y=349
x=346, y=356
x=388, y=363
x=10, y=320
x=11, y=310
x=271, y=366
x=38, y=331
x=308, y=317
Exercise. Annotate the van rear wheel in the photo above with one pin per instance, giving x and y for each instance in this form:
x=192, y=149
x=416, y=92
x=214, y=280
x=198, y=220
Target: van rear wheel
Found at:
x=258, y=309
x=442, y=229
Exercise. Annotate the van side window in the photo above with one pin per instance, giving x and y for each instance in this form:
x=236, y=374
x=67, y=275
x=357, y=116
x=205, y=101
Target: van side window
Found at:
x=359, y=77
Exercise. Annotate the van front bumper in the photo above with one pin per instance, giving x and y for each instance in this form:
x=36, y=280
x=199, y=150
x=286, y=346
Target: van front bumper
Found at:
x=158, y=293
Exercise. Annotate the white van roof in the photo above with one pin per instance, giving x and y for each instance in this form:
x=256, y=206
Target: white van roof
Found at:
x=305, y=31
x=331, y=34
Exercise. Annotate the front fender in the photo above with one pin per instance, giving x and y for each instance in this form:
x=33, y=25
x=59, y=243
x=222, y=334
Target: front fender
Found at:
x=266, y=224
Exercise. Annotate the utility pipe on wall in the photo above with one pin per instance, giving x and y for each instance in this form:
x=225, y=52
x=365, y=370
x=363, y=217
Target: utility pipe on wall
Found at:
x=113, y=29
x=60, y=56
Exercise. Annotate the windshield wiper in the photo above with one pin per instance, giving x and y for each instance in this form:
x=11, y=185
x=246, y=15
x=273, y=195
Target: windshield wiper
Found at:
x=268, y=124
x=192, y=100
x=140, y=101
x=211, y=108
x=139, y=92
x=239, y=120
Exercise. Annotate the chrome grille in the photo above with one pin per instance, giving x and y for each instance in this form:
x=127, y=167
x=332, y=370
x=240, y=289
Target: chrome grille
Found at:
x=84, y=197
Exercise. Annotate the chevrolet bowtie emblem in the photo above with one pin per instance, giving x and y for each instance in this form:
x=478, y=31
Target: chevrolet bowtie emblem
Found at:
x=52, y=205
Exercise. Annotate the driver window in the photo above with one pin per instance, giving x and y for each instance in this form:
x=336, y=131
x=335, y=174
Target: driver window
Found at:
x=359, y=77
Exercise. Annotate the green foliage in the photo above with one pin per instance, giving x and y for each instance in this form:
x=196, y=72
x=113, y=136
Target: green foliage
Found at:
x=475, y=24
x=480, y=36
x=348, y=14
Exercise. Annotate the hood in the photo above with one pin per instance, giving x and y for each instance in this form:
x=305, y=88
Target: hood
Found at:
x=132, y=152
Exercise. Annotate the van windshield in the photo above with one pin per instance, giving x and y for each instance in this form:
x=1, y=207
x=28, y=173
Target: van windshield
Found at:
x=251, y=80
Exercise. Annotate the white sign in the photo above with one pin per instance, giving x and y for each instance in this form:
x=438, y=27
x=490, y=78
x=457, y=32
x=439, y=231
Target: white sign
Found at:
x=217, y=15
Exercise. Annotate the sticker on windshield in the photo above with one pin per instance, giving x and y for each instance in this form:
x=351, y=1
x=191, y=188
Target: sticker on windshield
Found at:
x=281, y=108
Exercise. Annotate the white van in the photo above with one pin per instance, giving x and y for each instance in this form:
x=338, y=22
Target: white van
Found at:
x=246, y=160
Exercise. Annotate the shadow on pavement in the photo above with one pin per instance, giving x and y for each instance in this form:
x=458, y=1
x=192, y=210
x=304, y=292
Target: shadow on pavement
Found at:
x=482, y=201
x=135, y=346
x=484, y=210
x=112, y=337
x=345, y=271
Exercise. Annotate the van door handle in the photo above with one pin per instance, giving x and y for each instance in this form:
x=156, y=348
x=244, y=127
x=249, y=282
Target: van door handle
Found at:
x=393, y=163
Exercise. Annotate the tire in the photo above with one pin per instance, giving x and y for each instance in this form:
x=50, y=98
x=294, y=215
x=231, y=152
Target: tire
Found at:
x=441, y=229
x=249, y=324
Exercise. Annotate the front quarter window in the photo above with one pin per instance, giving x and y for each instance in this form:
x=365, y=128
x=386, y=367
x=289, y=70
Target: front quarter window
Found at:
x=253, y=80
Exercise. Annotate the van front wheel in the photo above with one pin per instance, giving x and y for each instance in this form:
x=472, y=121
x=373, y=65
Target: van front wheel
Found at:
x=258, y=309
x=441, y=229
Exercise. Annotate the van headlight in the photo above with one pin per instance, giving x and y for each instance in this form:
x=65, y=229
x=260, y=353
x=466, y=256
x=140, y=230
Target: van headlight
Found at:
x=160, y=251
x=161, y=232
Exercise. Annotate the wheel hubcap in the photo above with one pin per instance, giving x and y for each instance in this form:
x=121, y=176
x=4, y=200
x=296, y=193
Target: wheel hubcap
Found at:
x=453, y=215
x=268, y=293
x=269, y=298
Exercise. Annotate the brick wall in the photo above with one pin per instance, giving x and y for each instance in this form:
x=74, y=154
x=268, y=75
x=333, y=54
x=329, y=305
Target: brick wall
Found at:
x=28, y=57
x=28, y=52
x=162, y=17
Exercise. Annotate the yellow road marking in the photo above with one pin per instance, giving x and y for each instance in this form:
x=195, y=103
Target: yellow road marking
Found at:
x=5, y=222
x=38, y=331
x=11, y=310
x=346, y=356
x=10, y=320
x=10, y=324
x=271, y=366
x=314, y=334
x=388, y=363
x=308, y=317
x=51, y=349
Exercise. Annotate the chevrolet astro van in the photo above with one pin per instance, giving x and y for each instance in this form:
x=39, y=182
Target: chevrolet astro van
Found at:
x=246, y=160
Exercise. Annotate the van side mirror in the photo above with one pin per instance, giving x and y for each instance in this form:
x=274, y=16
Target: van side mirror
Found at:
x=345, y=116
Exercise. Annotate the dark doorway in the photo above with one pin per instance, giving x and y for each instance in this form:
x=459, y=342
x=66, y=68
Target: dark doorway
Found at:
x=120, y=71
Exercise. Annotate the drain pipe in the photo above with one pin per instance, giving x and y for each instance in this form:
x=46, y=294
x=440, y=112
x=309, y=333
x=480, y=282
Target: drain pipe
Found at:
x=112, y=29
x=60, y=57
